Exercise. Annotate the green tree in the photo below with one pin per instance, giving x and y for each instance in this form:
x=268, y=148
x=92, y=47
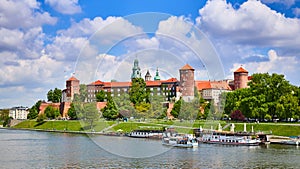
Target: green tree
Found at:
x=90, y=113
x=176, y=108
x=157, y=110
x=4, y=113
x=100, y=96
x=54, y=95
x=34, y=110
x=83, y=92
x=110, y=111
x=72, y=112
x=51, y=112
x=137, y=92
x=124, y=106
x=41, y=118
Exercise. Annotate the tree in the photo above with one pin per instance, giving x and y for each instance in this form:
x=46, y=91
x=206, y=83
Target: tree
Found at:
x=90, y=113
x=41, y=118
x=83, y=92
x=110, y=111
x=51, y=112
x=268, y=95
x=137, y=92
x=176, y=108
x=34, y=110
x=100, y=96
x=157, y=110
x=54, y=95
x=124, y=106
x=4, y=113
x=237, y=115
x=72, y=112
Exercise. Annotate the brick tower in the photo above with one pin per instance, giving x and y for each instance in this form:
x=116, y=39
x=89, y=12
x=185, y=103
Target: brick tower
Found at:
x=240, y=78
x=72, y=86
x=187, y=82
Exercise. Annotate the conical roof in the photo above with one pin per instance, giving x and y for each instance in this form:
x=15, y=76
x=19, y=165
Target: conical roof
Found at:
x=241, y=70
x=187, y=67
x=72, y=79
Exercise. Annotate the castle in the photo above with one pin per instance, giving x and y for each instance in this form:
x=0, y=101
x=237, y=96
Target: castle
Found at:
x=171, y=88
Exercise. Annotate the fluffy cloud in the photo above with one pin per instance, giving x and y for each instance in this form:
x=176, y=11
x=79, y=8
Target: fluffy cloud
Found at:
x=288, y=3
x=23, y=14
x=65, y=6
x=286, y=65
x=252, y=24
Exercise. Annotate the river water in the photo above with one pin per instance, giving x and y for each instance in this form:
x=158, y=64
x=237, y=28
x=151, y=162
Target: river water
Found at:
x=31, y=149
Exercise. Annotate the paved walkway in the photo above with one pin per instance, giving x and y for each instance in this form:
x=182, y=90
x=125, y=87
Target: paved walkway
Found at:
x=108, y=128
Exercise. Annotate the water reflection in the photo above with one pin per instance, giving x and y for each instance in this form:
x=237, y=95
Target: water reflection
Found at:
x=27, y=149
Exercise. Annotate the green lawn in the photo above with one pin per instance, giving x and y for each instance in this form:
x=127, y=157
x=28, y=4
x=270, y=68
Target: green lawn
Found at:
x=282, y=129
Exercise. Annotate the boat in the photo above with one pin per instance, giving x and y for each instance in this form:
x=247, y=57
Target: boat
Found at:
x=229, y=138
x=290, y=142
x=155, y=134
x=186, y=141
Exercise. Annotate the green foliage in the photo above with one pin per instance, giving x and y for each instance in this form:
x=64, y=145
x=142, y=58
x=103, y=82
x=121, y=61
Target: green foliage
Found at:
x=268, y=95
x=7, y=121
x=124, y=106
x=137, y=92
x=90, y=113
x=4, y=114
x=100, y=96
x=72, y=112
x=142, y=109
x=33, y=113
x=110, y=111
x=54, y=95
x=51, y=112
x=83, y=92
x=176, y=108
x=41, y=118
x=157, y=110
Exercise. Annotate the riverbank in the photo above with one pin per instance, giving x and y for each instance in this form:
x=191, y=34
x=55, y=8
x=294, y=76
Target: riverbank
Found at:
x=280, y=129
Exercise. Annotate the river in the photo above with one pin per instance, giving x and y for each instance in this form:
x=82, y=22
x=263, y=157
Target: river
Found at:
x=32, y=149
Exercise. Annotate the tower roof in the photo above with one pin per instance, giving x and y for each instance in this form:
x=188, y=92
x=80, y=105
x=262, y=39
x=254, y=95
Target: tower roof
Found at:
x=187, y=67
x=241, y=70
x=157, y=77
x=72, y=79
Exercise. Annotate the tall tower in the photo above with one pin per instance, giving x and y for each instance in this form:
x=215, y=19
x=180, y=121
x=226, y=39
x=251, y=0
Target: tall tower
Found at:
x=240, y=78
x=72, y=86
x=187, y=82
x=157, y=77
x=136, y=70
x=148, y=76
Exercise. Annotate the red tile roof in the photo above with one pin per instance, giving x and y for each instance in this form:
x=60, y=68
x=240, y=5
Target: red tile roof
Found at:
x=187, y=67
x=203, y=85
x=212, y=85
x=241, y=70
x=153, y=83
x=72, y=79
x=98, y=82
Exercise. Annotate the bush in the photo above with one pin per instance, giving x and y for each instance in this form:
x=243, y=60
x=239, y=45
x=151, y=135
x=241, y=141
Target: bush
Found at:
x=41, y=118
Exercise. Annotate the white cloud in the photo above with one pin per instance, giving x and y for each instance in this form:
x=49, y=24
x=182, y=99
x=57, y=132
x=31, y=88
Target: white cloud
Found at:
x=296, y=12
x=288, y=3
x=23, y=14
x=252, y=24
x=65, y=6
x=286, y=65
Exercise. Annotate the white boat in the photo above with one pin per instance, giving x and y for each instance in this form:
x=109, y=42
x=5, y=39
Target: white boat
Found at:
x=290, y=142
x=146, y=134
x=186, y=141
x=229, y=138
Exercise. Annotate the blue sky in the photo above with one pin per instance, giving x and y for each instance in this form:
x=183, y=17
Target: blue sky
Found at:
x=43, y=42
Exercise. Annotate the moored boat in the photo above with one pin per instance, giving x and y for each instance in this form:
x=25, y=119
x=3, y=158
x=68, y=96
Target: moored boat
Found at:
x=155, y=134
x=186, y=141
x=229, y=138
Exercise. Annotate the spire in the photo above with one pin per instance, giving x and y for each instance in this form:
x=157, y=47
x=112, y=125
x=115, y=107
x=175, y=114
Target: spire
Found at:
x=157, y=77
x=136, y=70
x=148, y=76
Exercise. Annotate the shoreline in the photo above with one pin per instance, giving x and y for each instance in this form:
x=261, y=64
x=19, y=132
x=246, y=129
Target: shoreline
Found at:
x=67, y=131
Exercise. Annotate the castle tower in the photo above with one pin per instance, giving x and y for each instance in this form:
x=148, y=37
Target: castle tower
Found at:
x=157, y=77
x=240, y=78
x=187, y=82
x=136, y=70
x=72, y=87
x=147, y=76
